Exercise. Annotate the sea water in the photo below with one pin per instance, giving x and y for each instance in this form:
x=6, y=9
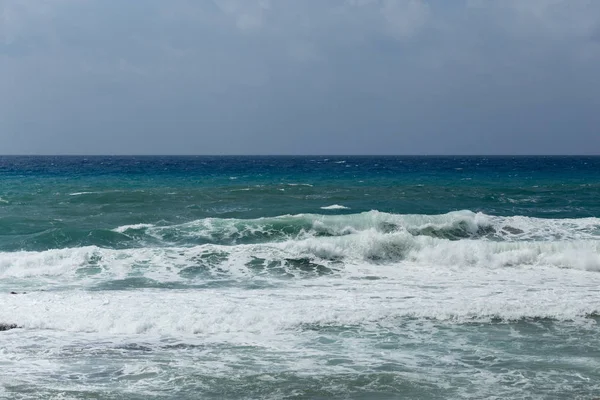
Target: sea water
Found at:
x=300, y=277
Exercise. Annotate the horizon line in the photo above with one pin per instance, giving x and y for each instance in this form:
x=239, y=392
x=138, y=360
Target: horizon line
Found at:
x=294, y=155
x=298, y=155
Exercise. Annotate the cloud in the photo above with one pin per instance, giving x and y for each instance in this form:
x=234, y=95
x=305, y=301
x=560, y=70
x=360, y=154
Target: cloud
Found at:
x=248, y=15
x=405, y=17
x=550, y=18
x=21, y=20
x=241, y=76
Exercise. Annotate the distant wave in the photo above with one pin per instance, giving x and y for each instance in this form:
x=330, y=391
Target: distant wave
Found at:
x=126, y=228
x=335, y=207
x=81, y=193
x=100, y=192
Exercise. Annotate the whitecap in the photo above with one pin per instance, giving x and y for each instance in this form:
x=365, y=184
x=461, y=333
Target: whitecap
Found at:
x=81, y=193
x=335, y=207
x=125, y=228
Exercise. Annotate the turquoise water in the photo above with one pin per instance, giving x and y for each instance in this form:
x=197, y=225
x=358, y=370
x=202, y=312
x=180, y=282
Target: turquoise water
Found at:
x=300, y=277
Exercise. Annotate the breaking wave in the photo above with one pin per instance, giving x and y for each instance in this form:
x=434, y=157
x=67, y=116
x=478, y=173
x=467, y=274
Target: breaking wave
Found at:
x=309, y=246
x=453, y=226
x=311, y=256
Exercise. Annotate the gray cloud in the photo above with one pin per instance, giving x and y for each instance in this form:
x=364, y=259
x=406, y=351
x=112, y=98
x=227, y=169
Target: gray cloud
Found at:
x=313, y=76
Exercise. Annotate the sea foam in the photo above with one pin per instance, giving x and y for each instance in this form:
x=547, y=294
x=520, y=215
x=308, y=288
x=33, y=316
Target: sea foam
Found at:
x=335, y=207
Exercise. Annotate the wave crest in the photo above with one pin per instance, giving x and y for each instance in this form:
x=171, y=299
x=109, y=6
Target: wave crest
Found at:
x=456, y=225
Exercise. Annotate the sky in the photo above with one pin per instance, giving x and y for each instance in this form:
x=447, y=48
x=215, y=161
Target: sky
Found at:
x=300, y=77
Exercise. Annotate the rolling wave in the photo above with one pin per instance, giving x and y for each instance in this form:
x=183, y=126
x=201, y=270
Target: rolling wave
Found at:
x=308, y=246
x=454, y=226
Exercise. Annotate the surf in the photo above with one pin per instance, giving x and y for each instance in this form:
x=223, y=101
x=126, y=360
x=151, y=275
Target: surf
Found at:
x=454, y=225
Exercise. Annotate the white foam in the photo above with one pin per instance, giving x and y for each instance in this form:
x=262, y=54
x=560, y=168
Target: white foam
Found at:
x=125, y=228
x=395, y=247
x=335, y=207
x=81, y=193
x=92, y=266
x=258, y=316
x=100, y=192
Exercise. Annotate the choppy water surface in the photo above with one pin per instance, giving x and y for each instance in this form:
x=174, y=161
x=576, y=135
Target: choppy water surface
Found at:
x=300, y=277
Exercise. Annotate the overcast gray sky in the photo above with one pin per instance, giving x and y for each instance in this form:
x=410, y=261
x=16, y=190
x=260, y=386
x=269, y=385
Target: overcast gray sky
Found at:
x=299, y=77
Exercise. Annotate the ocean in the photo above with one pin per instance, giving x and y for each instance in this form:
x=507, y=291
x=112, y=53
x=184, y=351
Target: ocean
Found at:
x=300, y=277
